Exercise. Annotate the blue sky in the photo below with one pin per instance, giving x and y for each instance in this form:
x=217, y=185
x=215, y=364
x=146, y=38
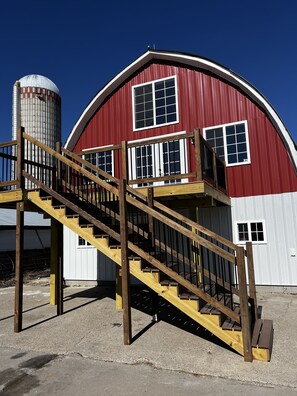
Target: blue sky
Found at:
x=81, y=45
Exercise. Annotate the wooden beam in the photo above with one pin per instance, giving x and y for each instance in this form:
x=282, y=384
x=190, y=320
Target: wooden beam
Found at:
x=150, y=202
x=18, y=310
x=251, y=281
x=20, y=158
x=125, y=265
x=59, y=282
x=11, y=196
x=54, y=261
x=244, y=305
x=198, y=154
x=119, y=293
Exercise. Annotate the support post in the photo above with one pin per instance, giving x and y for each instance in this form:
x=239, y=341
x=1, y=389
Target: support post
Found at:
x=198, y=154
x=119, y=293
x=18, y=311
x=125, y=265
x=54, y=261
x=251, y=275
x=59, y=283
x=244, y=305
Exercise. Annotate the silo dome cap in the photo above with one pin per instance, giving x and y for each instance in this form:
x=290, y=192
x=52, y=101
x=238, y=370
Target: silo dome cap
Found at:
x=35, y=80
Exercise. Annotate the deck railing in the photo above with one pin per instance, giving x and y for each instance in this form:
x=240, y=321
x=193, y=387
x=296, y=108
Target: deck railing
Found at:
x=8, y=169
x=179, y=158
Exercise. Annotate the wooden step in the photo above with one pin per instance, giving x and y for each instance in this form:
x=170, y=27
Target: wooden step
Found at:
x=168, y=282
x=263, y=336
x=230, y=324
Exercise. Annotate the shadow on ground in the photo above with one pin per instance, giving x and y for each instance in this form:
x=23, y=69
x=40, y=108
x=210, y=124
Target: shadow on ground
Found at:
x=147, y=301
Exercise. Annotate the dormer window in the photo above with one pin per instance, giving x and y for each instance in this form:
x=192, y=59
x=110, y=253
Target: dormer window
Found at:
x=155, y=104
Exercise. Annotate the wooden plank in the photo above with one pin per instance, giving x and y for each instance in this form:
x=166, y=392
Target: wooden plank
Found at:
x=59, y=283
x=198, y=162
x=7, y=144
x=125, y=265
x=244, y=307
x=150, y=201
x=162, y=178
x=119, y=293
x=256, y=332
x=18, y=307
x=54, y=261
x=266, y=334
x=20, y=158
x=11, y=196
x=251, y=276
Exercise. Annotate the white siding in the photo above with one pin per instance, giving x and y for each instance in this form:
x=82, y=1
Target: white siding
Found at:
x=79, y=263
x=275, y=262
x=217, y=219
x=85, y=263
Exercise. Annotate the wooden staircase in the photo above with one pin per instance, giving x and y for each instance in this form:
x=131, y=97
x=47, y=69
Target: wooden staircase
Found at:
x=197, y=271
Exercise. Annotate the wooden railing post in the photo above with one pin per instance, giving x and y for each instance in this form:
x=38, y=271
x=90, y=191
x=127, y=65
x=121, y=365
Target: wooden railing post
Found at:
x=214, y=167
x=125, y=264
x=18, y=311
x=244, y=305
x=58, y=168
x=198, y=154
x=125, y=172
x=150, y=202
x=251, y=280
x=20, y=158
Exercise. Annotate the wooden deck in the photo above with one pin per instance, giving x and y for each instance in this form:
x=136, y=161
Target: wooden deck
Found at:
x=188, y=191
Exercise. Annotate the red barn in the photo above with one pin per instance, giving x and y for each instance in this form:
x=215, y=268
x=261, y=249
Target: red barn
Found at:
x=155, y=104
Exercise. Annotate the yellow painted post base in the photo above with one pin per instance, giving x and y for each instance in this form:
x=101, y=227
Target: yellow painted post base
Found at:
x=53, y=294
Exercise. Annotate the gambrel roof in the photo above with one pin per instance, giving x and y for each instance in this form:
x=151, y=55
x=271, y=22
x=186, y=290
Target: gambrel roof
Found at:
x=196, y=62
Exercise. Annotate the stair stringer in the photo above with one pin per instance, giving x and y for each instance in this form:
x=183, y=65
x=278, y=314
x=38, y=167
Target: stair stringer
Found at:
x=232, y=338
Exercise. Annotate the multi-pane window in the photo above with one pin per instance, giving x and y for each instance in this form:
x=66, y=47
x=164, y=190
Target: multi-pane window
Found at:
x=144, y=162
x=230, y=142
x=102, y=160
x=251, y=231
x=158, y=160
x=171, y=159
x=81, y=242
x=155, y=103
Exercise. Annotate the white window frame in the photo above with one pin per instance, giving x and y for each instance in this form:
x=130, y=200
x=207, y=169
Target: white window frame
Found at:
x=86, y=152
x=249, y=222
x=158, y=165
x=154, y=104
x=223, y=126
x=86, y=244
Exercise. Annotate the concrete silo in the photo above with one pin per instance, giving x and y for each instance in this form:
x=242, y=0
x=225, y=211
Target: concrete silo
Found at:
x=37, y=108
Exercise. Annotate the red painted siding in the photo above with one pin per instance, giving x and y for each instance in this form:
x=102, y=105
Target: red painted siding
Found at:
x=204, y=100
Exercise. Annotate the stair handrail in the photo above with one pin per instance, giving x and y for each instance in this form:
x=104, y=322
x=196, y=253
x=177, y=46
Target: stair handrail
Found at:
x=131, y=198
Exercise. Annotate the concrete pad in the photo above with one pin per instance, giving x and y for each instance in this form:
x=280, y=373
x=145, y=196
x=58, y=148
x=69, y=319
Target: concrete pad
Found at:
x=91, y=327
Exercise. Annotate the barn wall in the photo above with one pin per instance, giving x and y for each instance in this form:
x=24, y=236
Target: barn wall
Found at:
x=275, y=262
x=204, y=101
x=79, y=263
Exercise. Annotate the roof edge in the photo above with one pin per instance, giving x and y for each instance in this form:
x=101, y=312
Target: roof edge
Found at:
x=195, y=61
